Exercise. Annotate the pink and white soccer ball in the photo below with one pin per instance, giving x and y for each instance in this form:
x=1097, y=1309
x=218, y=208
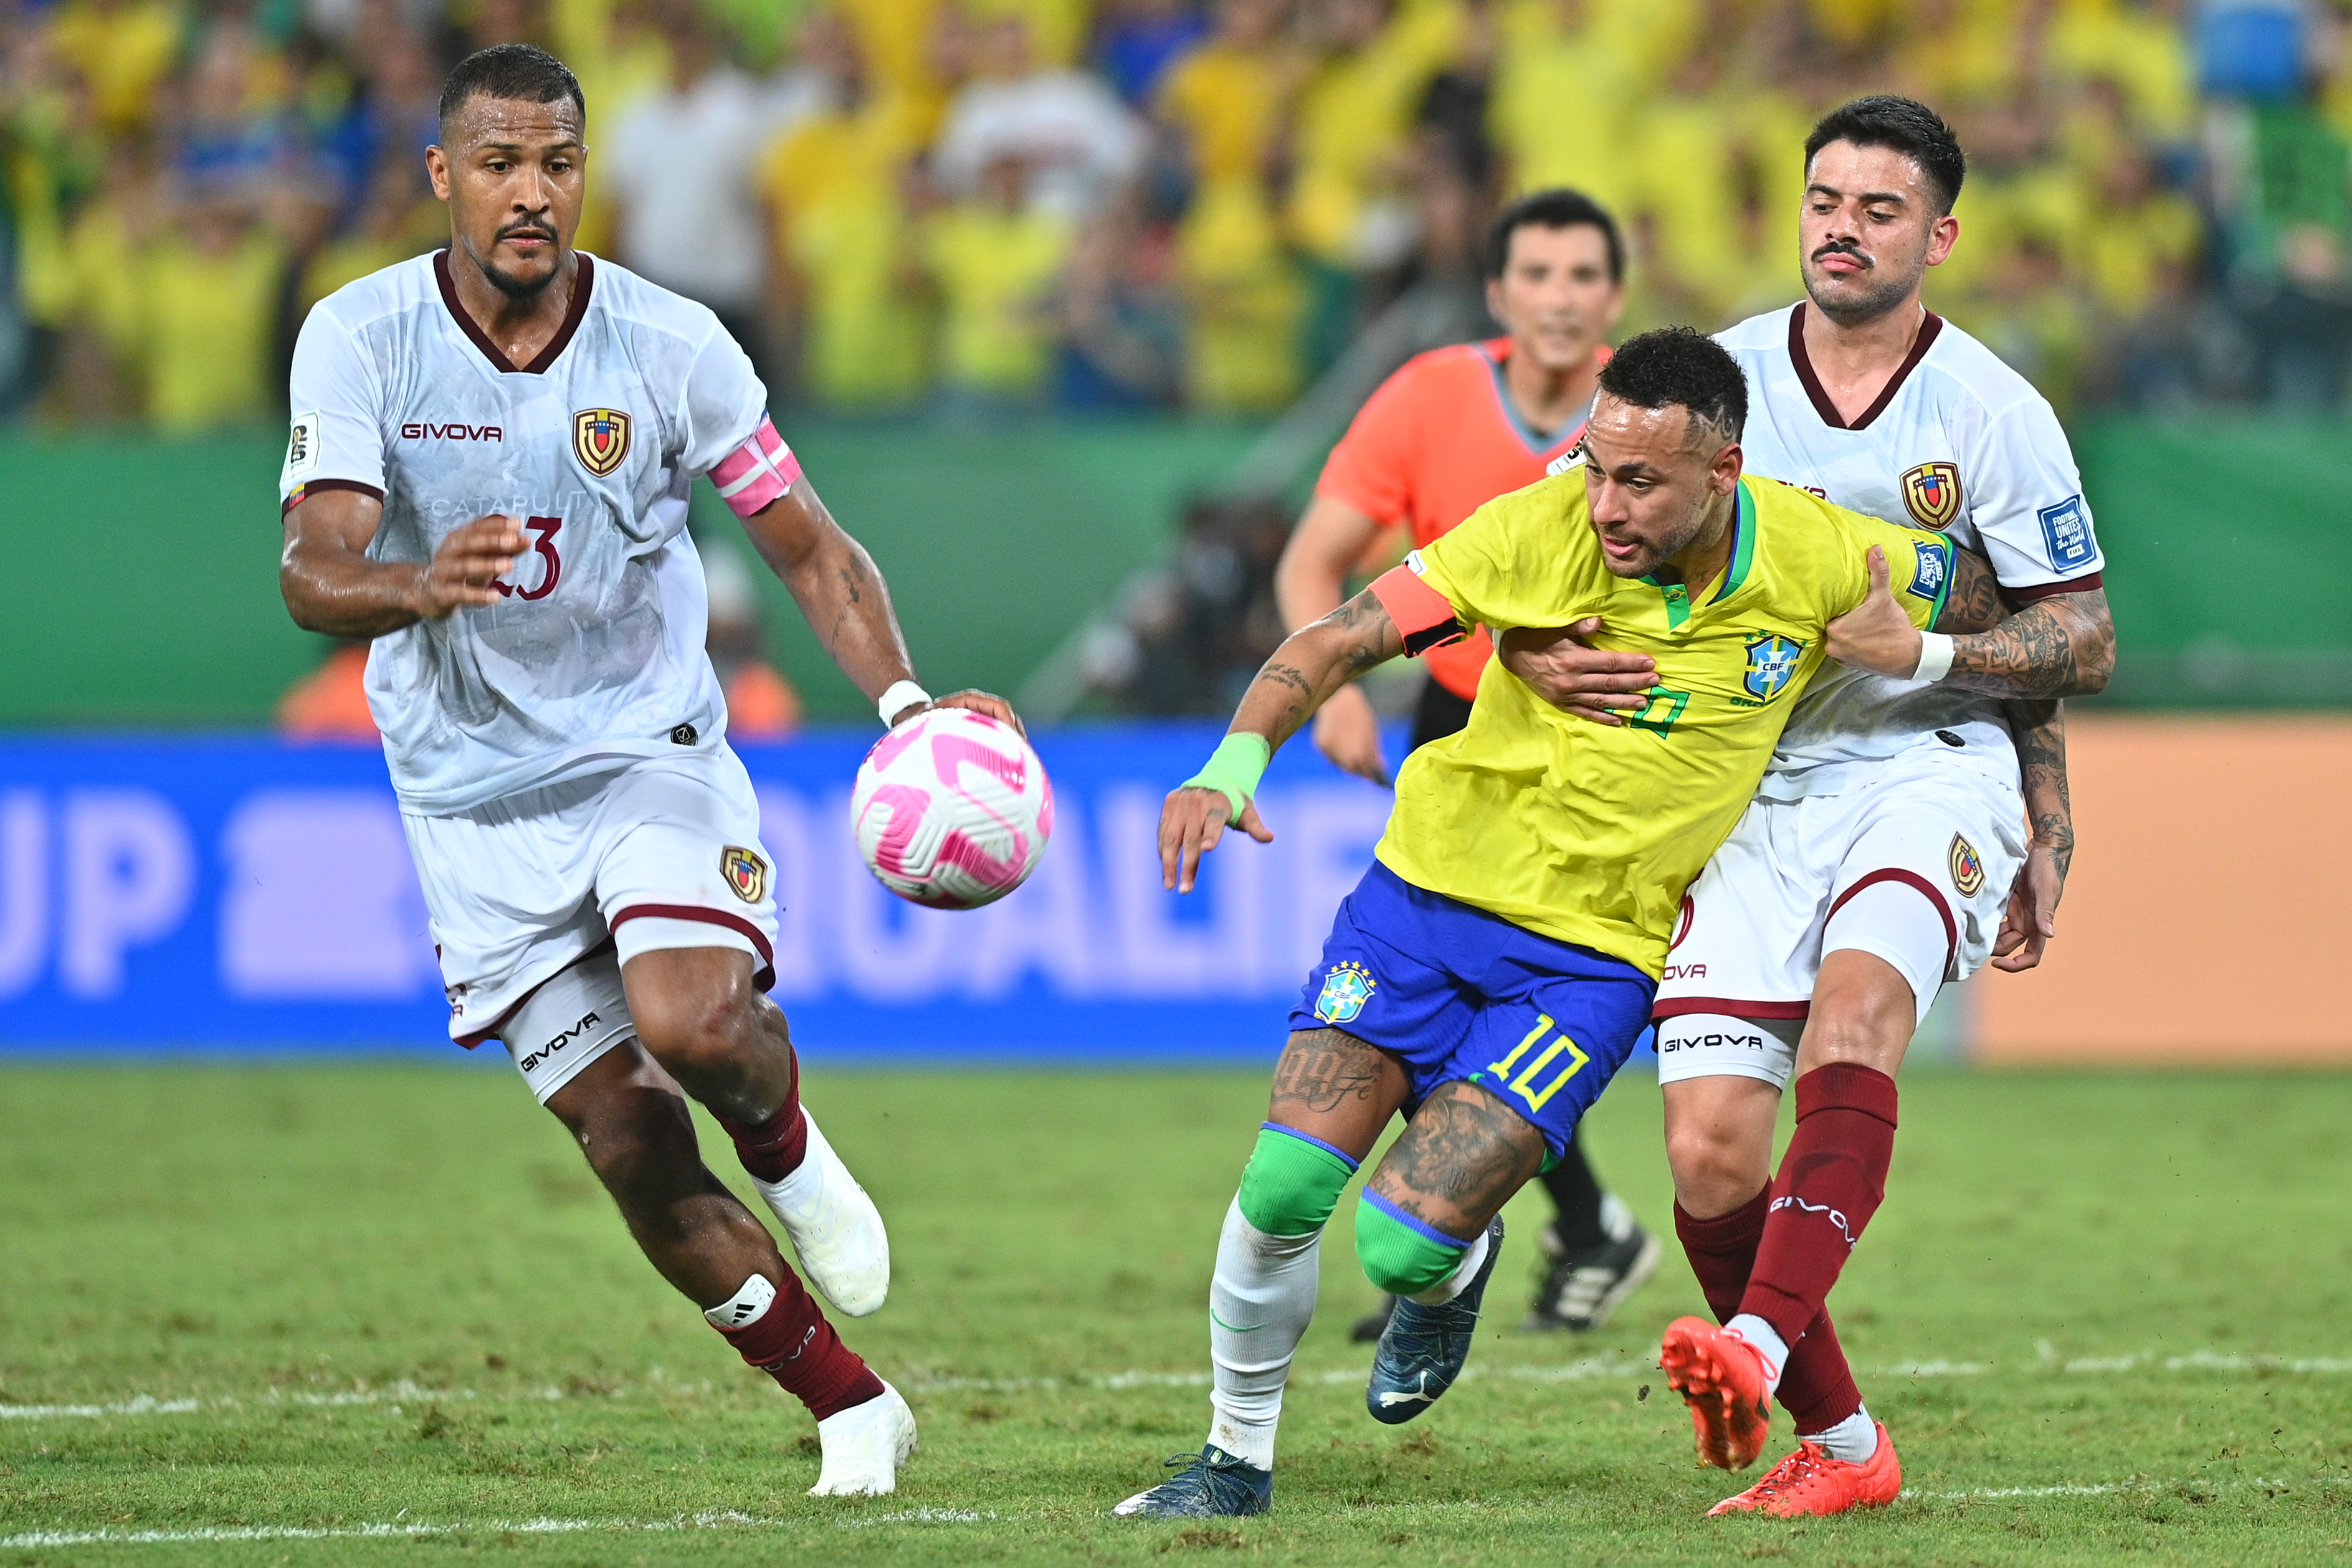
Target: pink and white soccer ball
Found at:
x=952, y=810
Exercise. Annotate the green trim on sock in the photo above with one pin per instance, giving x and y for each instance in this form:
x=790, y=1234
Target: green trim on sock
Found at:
x=1397, y=1259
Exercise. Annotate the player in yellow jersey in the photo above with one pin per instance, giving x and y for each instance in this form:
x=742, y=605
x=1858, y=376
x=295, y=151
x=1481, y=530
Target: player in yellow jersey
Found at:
x=1495, y=968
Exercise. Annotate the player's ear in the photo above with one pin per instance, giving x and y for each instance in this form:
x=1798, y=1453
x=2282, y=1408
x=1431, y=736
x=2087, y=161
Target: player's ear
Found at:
x=437, y=167
x=1942, y=235
x=1723, y=474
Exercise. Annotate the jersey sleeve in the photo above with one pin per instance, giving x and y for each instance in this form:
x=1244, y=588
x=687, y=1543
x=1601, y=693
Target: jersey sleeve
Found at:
x=2028, y=505
x=338, y=438
x=728, y=434
x=1919, y=569
x=1371, y=468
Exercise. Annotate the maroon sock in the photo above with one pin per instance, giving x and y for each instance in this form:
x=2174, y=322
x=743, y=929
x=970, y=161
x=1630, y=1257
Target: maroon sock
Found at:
x=773, y=1149
x=1722, y=1253
x=1831, y=1182
x=792, y=1343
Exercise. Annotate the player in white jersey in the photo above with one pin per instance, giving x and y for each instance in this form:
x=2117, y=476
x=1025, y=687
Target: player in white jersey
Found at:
x=492, y=454
x=1887, y=851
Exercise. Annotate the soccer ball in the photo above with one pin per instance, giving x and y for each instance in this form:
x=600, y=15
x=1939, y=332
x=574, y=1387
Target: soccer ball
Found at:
x=951, y=809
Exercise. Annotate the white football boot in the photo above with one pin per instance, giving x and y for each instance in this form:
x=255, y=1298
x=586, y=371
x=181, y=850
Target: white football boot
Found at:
x=833, y=1226
x=864, y=1446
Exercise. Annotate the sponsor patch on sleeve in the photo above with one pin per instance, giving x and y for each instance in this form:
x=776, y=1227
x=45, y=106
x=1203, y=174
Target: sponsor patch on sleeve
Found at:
x=302, y=450
x=2067, y=532
x=1927, y=578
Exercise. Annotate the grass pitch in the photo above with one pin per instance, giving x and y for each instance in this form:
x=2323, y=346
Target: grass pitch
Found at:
x=382, y=1314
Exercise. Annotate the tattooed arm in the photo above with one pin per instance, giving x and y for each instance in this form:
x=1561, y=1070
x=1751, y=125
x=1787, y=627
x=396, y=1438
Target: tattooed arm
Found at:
x=841, y=593
x=1314, y=662
x=2062, y=645
x=2031, y=918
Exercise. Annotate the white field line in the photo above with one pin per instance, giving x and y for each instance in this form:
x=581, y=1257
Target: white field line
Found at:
x=1589, y=1370
x=397, y=1530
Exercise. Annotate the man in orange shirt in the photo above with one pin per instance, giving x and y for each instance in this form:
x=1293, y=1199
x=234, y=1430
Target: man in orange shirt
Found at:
x=1448, y=433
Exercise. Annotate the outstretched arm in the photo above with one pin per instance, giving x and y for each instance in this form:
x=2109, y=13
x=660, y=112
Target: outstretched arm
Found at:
x=1328, y=542
x=1312, y=662
x=844, y=598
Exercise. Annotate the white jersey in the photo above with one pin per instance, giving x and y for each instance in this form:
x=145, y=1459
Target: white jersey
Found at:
x=1959, y=442
x=594, y=657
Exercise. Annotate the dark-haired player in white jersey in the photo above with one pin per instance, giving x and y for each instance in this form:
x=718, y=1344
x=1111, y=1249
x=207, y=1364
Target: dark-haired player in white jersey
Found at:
x=1887, y=851
x=491, y=453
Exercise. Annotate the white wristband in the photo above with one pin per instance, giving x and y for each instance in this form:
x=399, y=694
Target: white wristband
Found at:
x=904, y=695
x=1934, y=657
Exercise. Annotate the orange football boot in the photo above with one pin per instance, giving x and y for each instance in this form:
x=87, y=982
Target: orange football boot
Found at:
x=1809, y=1481
x=1725, y=1380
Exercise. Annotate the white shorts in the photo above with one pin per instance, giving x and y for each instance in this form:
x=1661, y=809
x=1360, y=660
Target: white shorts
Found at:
x=1914, y=866
x=663, y=853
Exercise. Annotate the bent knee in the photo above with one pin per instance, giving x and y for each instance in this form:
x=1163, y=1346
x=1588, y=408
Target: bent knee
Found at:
x=1400, y=1254
x=694, y=1033
x=1716, y=1168
x=1292, y=1181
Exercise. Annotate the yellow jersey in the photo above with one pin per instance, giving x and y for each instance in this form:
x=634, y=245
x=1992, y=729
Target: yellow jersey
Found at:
x=1587, y=834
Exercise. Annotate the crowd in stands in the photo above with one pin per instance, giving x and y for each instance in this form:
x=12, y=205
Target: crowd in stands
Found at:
x=1144, y=204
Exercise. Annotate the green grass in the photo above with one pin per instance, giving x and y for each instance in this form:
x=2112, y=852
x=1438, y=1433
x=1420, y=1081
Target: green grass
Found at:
x=395, y=1296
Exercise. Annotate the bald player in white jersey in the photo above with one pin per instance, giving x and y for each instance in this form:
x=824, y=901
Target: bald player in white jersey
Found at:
x=492, y=454
x=1888, y=849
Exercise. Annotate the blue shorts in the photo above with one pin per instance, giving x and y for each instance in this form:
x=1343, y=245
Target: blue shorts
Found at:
x=1458, y=993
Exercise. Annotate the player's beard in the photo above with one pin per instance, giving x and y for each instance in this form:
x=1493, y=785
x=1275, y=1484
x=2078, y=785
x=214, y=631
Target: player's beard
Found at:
x=1856, y=306
x=521, y=289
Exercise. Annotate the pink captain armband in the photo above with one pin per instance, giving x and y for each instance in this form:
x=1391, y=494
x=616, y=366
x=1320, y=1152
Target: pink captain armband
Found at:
x=756, y=473
x=1425, y=617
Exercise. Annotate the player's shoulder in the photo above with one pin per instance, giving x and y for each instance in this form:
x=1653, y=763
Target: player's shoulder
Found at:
x=1759, y=334
x=1959, y=369
x=639, y=304
x=400, y=289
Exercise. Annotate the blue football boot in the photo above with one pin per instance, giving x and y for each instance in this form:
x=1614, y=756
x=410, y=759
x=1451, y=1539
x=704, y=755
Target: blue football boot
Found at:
x=1210, y=1484
x=1422, y=1350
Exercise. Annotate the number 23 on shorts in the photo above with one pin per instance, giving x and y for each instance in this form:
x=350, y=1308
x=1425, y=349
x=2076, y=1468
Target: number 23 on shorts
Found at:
x=1524, y=1085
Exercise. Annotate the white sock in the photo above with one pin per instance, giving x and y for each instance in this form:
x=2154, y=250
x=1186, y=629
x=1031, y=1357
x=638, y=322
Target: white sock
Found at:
x=1261, y=1299
x=1766, y=1338
x=747, y=1305
x=1473, y=1257
x=1854, y=1439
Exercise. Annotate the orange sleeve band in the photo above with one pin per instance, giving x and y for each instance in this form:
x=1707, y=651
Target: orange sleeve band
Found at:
x=1426, y=617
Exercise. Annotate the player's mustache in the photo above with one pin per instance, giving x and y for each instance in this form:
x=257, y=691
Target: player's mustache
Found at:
x=535, y=230
x=1844, y=247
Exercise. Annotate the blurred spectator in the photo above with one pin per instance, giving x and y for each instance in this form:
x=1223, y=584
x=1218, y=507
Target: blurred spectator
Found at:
x=997, y=256
x=124, y=49
x=1188, y=639
x=401, y=219
x=678, y=173
x=837, y=232
x=1079, y=143
x=210, y=292
x=1226, y=104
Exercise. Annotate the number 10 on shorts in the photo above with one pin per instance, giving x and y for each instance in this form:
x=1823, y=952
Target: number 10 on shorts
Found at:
x=1524, y=1086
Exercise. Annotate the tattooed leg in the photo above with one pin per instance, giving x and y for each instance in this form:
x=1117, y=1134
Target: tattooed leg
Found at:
x=1459, y=1161
x=1335, y=1088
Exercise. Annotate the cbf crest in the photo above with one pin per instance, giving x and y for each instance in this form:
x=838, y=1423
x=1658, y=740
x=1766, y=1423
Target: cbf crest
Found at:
x=1346, y=989
x=1771, y=664
x=745, y=871
x=600, y=439
x=1931, y=493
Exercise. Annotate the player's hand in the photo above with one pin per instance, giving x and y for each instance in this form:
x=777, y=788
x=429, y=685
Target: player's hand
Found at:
x=1191, y=823
x=2031, y=918
x=988, y=703
x=1559, y=666
x=1347, y=731
x=465, y=571
x=1875, y=635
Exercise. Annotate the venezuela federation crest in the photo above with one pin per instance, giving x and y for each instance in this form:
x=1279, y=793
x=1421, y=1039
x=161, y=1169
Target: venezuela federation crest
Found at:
x=745, y=871
x=1346, y=989
x=1967, y=869
x=600, y=439
x=1931, y=493
x=1771, y=664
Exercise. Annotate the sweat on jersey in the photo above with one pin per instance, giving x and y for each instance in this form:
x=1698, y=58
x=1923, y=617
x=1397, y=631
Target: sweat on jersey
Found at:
x=1588, y=833
x=593, y=656
x=1957, y=442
